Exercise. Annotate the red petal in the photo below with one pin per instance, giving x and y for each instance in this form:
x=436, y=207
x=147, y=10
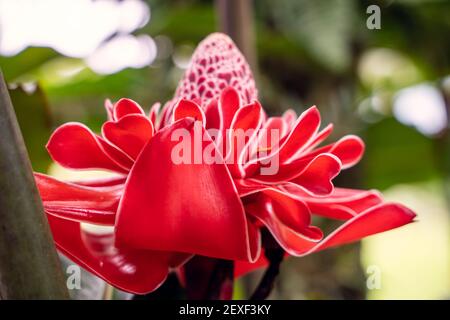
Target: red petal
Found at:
x=317, y=177
x=292, y=213
x=290, y=116
x=84, y=204
x=129, y=134
x=340, y=204
x=348, y=149
x=187, y=108
x=117, y=155
x=135, y=271
x=304, y=130
x=320, y=137
x=214, y=123
x=178, y=259
x=109, y=109
x=286, y=172
x=229, y=104
x=153, y=115
x=300, y=136
x=166, y=114
x=283, y=234
x=377, y=219
x=190, y=208
x=243, y=267
x=269, y=137
x=244, y=128
x=349, y=232
x=275, y=123
x=247, y=187
x=102, y=182
x=212, y=115
x=74, y=146
x=125, y=107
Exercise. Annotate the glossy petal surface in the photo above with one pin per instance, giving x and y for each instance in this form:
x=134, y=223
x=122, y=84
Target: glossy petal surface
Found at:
x=377, y=219
x=74, y=146
x=129, y=134
x=135, y=271
x=84, y=204
x=190, y=208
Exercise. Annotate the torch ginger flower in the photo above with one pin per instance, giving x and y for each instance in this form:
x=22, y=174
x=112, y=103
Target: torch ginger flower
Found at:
x=160, y=212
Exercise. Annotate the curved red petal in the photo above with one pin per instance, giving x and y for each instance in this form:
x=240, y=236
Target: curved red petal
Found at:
x=178, y=259
x=320, y=137
x=273, y=123
x=135, y=271
x=340, y=204
x=286, y=172
x=74, y=146
x=317, y=177
x=129, y=134
x=286, y=236
x=292, y=213
x=289, y=116
x=109, y=109
x=183, y=207
x=153, y=114
x=241, y=268
x=303, y=132
x=297, y=140
x=118, y=180
x=213, y=116
x=187, y=108
x=80, y=203
x=125, y=107
x=229, y=103
x=165, y=115
x=246, y=187
x=243, y=131
x=116, y=154
x=348, y=149
x=377, y=219
x=269, y=137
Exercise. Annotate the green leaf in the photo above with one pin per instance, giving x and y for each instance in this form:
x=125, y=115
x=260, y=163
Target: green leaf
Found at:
x=34, y=118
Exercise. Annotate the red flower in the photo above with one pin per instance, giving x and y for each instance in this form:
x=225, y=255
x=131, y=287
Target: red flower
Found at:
x=159, y=212
x=69, y=205
x=283, y=202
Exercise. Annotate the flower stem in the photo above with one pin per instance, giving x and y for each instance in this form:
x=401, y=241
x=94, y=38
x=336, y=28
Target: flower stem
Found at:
x=209, y=278
x=274, y=253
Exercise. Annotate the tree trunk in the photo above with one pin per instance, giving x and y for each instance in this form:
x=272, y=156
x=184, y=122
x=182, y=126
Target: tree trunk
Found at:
x=236, y=20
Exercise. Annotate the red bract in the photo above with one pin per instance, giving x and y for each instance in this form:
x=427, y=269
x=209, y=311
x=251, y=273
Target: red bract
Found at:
x=285, y=201
x=158, y=212
x=72, y=207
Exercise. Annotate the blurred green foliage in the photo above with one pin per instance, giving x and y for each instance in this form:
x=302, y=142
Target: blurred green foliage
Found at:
x=34, y=119
x=397, y=154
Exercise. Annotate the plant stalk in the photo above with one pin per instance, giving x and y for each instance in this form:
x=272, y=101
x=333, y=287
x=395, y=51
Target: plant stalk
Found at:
x=29, y=264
